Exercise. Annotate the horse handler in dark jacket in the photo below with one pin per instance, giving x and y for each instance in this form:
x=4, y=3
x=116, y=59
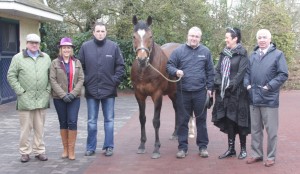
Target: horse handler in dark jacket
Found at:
x=103, y=67
x=193, y=62
x=266, y=73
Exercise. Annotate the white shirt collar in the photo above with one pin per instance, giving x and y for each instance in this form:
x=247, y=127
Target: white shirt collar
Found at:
x=264, y=50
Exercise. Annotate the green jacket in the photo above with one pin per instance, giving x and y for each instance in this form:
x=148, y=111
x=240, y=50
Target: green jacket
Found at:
x=29, y=78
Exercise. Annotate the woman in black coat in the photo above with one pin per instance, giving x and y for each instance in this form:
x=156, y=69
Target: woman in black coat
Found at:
x=231, y=110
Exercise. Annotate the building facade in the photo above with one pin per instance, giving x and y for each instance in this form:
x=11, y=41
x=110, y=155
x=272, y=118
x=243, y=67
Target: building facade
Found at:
x=17, y=19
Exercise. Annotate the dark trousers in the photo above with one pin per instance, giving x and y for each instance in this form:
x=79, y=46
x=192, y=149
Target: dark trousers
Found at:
x=67, y=113
x=188, y=103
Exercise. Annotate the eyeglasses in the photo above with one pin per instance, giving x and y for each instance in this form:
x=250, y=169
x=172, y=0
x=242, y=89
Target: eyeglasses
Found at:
x=231, y=29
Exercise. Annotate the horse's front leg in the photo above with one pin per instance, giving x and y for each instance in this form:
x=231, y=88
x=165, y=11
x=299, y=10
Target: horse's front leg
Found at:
x=142, y=105
x=157, y=99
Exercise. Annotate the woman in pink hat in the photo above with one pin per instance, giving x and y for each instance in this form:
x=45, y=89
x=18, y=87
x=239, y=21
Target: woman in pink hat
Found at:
x=66, y=78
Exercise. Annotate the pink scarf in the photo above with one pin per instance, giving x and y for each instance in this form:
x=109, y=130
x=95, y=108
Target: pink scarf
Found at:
x=71, y=75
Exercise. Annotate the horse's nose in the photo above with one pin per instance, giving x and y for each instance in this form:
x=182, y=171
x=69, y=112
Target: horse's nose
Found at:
x=143, y=62
x=142, y=58
x=142, y=55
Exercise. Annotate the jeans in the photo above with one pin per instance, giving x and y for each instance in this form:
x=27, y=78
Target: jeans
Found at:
x=189, y=102
x=67, y=113
x=109, y=114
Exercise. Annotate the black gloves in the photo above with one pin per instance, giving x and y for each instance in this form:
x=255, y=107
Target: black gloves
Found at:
x=71, y=96
x=68, y=98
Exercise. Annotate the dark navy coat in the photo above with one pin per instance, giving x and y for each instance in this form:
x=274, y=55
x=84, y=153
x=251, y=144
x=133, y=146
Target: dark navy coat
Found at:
x=197, y=66
x=270, y=70
x=103, y=67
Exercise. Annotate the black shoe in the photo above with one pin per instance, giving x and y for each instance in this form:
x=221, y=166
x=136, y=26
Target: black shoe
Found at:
x=243, y=154
x=89, y=153
x=228, y=153
x=24, y=158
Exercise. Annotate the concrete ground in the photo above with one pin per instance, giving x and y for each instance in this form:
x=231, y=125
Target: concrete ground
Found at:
x=125, y=159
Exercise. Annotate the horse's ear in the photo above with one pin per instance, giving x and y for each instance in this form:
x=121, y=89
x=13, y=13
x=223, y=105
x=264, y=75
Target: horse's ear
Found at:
x=134, y=20
x=149, y=20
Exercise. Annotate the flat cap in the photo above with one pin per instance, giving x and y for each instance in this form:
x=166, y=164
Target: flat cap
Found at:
x=33, y=38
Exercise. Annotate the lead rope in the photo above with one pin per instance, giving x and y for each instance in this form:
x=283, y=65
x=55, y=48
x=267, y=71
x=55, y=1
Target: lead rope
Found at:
x=204, y=107
x=174, y=81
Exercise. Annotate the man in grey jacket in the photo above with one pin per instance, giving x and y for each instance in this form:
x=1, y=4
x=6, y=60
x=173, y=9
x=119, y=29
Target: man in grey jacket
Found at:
x=193, y=62
x=266, y=74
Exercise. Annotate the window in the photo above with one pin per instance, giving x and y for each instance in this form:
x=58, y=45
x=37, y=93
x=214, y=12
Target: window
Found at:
x=8, y=37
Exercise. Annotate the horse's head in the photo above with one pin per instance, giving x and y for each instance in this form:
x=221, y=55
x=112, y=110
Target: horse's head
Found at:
x=142, y=40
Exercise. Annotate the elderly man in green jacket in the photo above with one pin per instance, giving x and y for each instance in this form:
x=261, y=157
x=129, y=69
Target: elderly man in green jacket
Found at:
x=28, y=75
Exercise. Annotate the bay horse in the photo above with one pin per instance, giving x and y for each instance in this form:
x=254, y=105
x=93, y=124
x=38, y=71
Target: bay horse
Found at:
x=147, y=82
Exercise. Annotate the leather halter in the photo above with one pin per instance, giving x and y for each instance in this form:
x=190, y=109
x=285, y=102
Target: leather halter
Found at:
x=148, y=51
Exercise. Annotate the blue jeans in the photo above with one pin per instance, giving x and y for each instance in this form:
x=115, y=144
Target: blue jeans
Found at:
x=67, y=113
x=187, y=104
x=109, y=115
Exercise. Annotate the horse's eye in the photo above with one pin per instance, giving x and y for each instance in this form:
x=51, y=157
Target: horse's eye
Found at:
x=133, y=37
x=151, y=37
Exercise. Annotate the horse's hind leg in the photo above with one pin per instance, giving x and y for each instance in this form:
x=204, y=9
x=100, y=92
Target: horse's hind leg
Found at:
x=142, y=117
x=156, y=124
x=174, y=136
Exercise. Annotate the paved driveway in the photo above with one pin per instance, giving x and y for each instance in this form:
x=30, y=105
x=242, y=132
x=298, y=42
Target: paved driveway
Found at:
x=10, y=163
x=126, y=161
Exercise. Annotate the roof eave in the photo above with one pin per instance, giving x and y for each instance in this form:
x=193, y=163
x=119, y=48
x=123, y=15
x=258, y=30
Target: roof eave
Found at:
x=17, y=9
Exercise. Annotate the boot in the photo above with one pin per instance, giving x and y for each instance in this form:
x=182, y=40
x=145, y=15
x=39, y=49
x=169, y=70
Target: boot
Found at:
x=71, y=140
x=64, y=139
x=231, y=151
x=243, y=153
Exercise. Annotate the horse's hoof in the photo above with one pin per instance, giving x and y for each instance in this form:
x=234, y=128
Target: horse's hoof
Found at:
x=155, y=155
x=174, y=137
x=141, y=151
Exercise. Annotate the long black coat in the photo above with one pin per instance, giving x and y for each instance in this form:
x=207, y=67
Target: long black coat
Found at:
x=235, y=105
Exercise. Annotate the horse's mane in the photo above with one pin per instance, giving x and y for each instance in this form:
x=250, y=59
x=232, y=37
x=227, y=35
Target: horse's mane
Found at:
x=141, y=25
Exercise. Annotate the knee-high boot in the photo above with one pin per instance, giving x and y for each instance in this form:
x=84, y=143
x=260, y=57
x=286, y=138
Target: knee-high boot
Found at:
x=231, y=151
x=64, y=139
x=72, y=134
x=243, y=153
x=231, y=140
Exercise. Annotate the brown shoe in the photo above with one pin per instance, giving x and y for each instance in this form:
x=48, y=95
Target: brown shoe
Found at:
x=253, y=160
x=269, y=163
x=41, y=157
x=25, y=158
